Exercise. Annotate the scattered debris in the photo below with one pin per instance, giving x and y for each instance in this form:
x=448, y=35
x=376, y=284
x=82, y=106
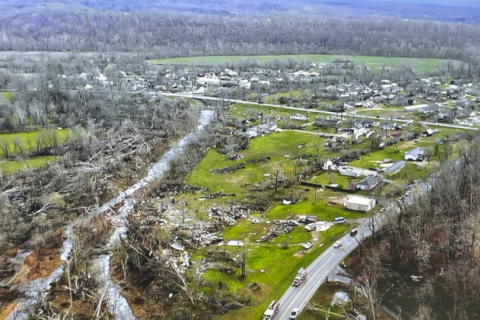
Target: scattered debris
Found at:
x=230, y=169
x=416, y=278
x=340, y=298
x=235, y=243
x=279, y=227
x=177, y=246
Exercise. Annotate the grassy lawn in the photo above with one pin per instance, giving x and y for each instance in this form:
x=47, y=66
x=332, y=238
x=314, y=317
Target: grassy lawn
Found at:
x=275, y=145
x=28, y=140
x=273, y=98
x=374, y=159
x=276, y=277
x=373, y=62
x=324, y=179
x=9, y=167
x=242, y=110
x=320, y=209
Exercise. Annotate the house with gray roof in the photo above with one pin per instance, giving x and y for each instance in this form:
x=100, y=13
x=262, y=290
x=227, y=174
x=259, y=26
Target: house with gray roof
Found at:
x=367, y=183
x=395, y=168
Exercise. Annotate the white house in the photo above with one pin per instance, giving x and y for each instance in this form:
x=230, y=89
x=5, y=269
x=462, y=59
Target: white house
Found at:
x=298, y=117
x=414, y=155
x=418, y=107
x=395, y=168
x=349, y=172
x=244, y=84
x=328, y=165
x=358, y=203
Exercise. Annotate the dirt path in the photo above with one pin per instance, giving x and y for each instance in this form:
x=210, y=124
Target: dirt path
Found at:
x=406, y=145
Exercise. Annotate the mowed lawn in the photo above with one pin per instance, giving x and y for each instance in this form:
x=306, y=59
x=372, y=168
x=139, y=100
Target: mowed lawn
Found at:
x=373, y=62
x=28, y=140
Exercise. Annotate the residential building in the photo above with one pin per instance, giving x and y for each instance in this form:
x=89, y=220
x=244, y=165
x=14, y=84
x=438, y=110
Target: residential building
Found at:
x=415, y=154
x=395, y=168
x=367, y=183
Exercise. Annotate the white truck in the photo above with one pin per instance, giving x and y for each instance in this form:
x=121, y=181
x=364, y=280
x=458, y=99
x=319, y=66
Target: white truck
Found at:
x=300, y=277
x=272, y=310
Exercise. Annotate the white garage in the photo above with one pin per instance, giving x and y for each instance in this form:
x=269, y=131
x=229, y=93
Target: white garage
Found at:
x=358, y=203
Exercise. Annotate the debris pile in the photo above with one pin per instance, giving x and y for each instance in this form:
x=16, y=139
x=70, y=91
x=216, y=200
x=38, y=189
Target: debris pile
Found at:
x=199, y=234
x=229, y=217
x=279, y=227
x=217, y=194
x=259, y=160
x=230, y=169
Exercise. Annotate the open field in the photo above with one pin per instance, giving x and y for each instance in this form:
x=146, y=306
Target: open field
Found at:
x=9, y=167
x=373, y=62
x=240, y=180
x=27, y=141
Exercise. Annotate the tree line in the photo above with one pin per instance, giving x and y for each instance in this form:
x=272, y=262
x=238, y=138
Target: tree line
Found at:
x=72, y=28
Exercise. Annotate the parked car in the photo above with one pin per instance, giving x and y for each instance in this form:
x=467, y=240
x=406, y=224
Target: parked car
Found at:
x=294, y=314
x=353, y=232
x=293, y=223
x=307, y=245
x=338, y=220
x=311, y=227
x=387, y=160
x=337, y=244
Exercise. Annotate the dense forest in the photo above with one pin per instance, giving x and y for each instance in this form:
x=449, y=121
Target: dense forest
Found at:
x=58, y=27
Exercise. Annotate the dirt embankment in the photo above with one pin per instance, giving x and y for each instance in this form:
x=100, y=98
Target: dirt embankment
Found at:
x=45, y=258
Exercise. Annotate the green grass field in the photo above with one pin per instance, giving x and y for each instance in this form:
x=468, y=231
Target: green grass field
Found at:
x=238, y=181
x=276, y=277
x=373, y=62
x=27, y=140
x=9, y=167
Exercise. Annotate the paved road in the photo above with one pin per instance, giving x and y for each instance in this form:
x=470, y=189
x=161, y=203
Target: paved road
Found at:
x=345, y=114
x=324, y=265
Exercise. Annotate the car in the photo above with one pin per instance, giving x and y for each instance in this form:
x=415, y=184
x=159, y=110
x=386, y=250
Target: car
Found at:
x=353, y=232
x=338, y=220
x=407, y=193
x=294, y=314
x=337, y=244
x=387, y=160
x=311, y=227
x=293, y=223
x=307, y=245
